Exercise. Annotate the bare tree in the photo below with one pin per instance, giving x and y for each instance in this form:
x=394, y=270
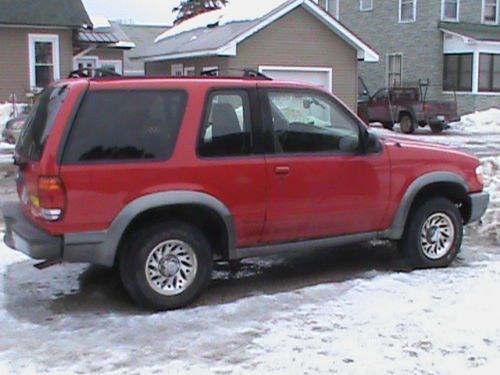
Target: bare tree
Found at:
x=190, y=8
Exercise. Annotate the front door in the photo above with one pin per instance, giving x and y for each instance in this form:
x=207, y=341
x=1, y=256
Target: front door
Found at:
x=379, y=107
x=320, y=183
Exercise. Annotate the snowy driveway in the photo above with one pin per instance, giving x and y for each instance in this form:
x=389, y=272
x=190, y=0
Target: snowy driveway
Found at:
x=346, y=311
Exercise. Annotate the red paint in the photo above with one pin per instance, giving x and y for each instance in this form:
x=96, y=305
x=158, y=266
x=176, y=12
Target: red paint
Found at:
x=272, y=198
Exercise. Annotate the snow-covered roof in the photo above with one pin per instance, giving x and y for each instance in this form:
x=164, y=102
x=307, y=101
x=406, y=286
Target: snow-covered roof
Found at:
x=218, y=33
x=234, y=11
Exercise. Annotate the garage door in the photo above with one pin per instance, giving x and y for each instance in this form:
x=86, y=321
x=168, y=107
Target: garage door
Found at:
x=321, y=77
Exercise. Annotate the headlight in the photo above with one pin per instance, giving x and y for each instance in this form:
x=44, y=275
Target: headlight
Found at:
x=480, y=175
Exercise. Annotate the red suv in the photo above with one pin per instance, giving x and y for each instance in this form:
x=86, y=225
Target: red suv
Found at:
x=162, y=177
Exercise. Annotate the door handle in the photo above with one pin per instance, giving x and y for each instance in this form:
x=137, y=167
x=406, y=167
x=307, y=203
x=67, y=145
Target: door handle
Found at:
x=282, y=170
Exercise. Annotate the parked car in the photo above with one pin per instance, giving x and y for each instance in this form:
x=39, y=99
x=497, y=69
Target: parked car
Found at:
x=408, y=107
x=162, y=177
x=13, y=128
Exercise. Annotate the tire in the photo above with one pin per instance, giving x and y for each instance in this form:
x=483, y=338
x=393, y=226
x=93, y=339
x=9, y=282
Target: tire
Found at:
x=183, y=244
x=388, y=125
x=417, y=245
x=437, y=128
x=407, y=124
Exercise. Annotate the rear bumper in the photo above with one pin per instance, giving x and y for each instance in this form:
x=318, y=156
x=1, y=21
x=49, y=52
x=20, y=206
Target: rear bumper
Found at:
x=478, y=206
x=23, y=235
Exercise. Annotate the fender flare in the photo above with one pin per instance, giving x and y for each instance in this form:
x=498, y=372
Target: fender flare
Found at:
x=395, y=232
x=102, y=247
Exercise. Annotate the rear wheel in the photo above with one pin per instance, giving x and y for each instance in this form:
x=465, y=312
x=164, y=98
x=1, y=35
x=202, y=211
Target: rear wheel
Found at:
x=166, y=266
x=437, y=128
x=407, y=124
x=433, y=234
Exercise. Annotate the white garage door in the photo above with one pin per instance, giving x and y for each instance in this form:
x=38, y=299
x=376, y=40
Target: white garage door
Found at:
x=321, y=77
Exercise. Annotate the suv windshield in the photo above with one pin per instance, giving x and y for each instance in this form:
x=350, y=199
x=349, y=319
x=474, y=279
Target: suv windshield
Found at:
x=41, y=121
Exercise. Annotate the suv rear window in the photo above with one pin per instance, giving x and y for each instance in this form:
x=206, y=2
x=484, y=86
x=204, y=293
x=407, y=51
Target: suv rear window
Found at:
x=40, y=122
x=126, y=125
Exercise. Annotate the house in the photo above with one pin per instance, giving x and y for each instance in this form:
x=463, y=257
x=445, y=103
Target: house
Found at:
x=44, y=40
x=36, y=39
x=141, y=36
x=453, y=43
x=104, y=46
x=294, y=39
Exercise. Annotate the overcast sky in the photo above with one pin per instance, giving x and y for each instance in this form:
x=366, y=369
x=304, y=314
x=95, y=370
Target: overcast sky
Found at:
x=140, y=11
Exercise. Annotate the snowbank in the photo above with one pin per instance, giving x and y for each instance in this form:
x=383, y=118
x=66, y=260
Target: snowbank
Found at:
x=489, y=226
x=236, y=10
x=479, y=122
x=6, y=113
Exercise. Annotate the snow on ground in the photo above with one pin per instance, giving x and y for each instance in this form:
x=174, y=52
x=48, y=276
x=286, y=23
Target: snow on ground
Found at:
x=425, y=322
x=479, y=122
x=234, y=11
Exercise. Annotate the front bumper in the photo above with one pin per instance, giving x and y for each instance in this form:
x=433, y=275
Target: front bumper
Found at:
x=478, y=205
x=24, y=236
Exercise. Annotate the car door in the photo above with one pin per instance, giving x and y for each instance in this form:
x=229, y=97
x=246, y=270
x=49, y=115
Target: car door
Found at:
x=379, y=106
x=320, y=182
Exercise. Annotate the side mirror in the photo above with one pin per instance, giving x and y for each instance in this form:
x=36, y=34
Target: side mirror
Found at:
x=372, y=143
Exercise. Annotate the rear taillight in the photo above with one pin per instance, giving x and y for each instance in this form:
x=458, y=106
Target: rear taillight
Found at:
x=51, y=199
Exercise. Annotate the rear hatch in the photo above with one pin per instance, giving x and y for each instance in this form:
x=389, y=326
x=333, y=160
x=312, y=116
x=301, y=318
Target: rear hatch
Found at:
x=38, y=187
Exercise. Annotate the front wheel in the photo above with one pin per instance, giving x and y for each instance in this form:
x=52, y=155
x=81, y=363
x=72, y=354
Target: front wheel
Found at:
x=166, y=266
x=433, y=234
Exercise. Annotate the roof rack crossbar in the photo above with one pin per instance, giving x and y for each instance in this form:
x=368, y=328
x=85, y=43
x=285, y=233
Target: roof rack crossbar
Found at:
x=93, y=73
x=247, y=73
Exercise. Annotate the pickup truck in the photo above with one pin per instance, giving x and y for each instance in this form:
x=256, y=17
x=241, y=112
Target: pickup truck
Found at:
x=408, y=107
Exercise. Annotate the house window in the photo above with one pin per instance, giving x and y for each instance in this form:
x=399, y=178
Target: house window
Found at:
x=457, y=75
x=44, y=59
x=365, y=5
x=394, y=69
x=189, y=71
x=490, y=11
x=450, y=10
x=489, y=72
x=177, y=70
x=112, y=66
x=214, y=69
x=333, y=7
x=407, y=11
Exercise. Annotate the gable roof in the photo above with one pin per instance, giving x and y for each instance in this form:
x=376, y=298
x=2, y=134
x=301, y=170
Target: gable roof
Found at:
x=223, y=40
x=483, y=33
x=62, y=13
x=141, y=36
x=112, y=35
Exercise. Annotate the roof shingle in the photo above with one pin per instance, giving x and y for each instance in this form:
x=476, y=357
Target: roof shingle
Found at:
x=63, y=13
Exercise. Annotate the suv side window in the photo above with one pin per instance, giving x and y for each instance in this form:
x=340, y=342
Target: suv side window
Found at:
x=126, y=125
x=305, y=122
x=227, y=128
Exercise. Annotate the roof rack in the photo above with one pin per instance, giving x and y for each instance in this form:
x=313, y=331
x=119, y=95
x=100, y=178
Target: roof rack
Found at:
x=247, y=73
x=94, y=73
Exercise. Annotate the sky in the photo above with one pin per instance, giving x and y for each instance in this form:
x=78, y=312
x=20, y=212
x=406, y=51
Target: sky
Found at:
x=140, y=11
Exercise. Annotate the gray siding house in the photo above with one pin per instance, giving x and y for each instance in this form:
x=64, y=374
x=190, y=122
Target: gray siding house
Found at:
x=453, y=43
x=297, y=41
